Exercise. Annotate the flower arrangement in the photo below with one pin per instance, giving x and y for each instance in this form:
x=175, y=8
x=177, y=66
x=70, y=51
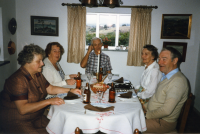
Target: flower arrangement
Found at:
x=106, y=41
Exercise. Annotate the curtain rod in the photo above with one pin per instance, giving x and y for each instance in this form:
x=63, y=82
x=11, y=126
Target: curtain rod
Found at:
x=73, y=4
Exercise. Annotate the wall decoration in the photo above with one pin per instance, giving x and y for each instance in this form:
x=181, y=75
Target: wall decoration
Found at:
x=11, y=47
x=12, y=26
x=176, y=26
x=42, y=25
x=180, y=46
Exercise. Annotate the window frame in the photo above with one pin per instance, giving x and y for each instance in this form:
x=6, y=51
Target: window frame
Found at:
x=117, y=26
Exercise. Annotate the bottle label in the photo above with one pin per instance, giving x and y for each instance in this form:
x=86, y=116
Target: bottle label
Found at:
x=84, y=97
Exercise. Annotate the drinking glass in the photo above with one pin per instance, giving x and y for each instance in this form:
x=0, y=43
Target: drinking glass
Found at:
x=89, y=77
x=109, y=77
x=100, y=95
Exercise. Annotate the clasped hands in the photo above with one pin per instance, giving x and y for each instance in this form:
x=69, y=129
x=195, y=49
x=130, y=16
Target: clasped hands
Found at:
x=71, y=81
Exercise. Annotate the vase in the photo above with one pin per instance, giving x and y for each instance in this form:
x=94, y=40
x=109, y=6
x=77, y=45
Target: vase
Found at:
x=105, y=45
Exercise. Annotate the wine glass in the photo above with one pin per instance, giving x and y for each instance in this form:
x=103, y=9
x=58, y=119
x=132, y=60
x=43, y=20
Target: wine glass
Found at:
x=89, y=77
x=100, y=95
x=109, y=77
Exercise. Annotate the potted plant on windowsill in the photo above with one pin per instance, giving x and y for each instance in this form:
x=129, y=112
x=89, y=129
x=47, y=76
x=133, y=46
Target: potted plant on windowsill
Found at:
x=106, y=42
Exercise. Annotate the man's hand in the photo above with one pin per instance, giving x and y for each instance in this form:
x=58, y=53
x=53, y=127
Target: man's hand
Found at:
x=72, y=76
x=90, y=48
x=76, y=91
x=70, y=81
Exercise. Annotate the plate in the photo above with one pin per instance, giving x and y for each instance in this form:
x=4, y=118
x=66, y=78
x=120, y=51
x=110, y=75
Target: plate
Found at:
x=103, y=105
x=125, y=81
x=62, y=95
x=133, y=94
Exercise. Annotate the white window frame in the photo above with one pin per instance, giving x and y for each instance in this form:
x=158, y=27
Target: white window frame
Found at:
x=117, y=26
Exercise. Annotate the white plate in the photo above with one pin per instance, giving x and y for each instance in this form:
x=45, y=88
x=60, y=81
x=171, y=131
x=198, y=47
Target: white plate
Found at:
x=103, y=105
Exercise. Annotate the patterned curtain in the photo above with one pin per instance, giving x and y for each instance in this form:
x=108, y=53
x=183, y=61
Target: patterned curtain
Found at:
x=140, y=34
x=76, y=33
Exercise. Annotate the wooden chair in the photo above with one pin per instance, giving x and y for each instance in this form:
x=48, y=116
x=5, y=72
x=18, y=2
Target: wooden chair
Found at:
x=136, y=131
x=184, y=114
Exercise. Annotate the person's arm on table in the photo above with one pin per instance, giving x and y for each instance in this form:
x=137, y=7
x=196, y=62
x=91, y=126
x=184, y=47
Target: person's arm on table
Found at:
x=57, y=90
x=24, y=107
x=72, y=76
x=85, y=59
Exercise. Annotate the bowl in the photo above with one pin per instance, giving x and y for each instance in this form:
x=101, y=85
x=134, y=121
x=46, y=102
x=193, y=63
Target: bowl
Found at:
x=99, y=87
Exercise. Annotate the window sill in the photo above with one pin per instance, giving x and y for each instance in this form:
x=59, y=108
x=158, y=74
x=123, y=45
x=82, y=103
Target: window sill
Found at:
x=4, y=63
x=113, y=50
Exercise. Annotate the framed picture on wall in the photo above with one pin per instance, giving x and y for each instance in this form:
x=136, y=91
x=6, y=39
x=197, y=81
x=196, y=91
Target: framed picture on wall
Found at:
x=176, y=26
x=180, y=46
x=43, y=25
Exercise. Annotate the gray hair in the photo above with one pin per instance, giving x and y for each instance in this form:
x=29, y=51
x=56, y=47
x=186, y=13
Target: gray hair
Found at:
x=28, y=52
x=95, y=38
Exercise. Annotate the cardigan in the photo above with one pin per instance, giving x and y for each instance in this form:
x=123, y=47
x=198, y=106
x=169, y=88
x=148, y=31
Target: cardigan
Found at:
x=168, y=99
x=52, y=75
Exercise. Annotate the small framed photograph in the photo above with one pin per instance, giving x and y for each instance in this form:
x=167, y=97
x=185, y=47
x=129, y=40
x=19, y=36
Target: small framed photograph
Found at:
x=176, y=26
x=43, y=25
x=180, y=46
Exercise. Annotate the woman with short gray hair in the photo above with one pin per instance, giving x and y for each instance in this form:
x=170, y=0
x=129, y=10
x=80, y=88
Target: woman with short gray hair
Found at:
x=22, y=102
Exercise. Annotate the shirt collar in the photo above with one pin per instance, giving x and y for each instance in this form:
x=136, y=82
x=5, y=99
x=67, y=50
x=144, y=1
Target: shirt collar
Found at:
x=150, y=66
x=170, y=74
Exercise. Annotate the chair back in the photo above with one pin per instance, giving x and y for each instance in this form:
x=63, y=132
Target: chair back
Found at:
x=136, y=131
x=184, y=114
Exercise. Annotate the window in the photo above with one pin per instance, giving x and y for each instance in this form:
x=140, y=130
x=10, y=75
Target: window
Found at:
x=115, y=27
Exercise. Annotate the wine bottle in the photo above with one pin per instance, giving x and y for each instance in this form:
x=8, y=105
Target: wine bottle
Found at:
x=100, y=75
x=112, y=93
x=86, y=94
x=78, y=81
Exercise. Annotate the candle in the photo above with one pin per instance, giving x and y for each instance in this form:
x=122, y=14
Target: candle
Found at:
x=98, y=62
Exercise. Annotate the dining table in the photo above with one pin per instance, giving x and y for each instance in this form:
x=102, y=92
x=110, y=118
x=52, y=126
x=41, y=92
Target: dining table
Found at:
x=124, y=119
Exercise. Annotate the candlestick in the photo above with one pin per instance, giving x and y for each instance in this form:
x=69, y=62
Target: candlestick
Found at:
x=98, y=62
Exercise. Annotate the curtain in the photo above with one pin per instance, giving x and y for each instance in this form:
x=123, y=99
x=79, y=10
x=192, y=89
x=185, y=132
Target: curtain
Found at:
x=76, y=33
x=140, y=35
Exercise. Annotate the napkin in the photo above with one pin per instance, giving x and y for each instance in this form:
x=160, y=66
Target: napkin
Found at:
x=120, y=80
x=126, y=95
x=71, y=96
x=99, y=109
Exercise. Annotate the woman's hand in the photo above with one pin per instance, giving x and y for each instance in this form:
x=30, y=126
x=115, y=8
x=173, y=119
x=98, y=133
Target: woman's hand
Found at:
x=56, y=101
x=72, y=76
x=76, y=91
x=70, y=81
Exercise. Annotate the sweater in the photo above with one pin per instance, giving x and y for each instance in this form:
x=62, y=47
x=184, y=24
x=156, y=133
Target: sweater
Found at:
x=168, y=99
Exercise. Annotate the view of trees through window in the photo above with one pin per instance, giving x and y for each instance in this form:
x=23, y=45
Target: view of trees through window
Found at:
x=115, y=27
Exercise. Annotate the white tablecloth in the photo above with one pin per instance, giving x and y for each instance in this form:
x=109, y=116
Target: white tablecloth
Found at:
x=126, y=117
